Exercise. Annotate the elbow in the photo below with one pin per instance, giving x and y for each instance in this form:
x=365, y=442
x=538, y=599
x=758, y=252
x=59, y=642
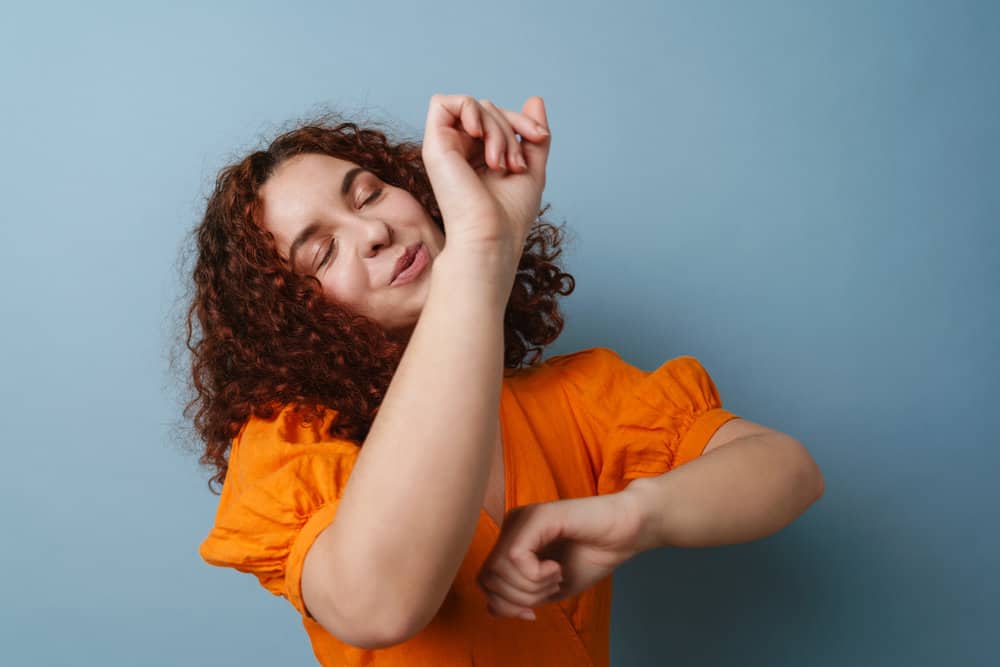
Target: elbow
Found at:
x=812, y=476
x=366, y=629
x=378, y=637
x=353, y=598
x=395, y=629
x=381, y=622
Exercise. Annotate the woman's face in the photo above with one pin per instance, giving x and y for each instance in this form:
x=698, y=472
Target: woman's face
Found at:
x=344, y=225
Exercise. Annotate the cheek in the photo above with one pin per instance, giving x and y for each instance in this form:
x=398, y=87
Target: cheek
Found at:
x=345, y=286
x=415, y=214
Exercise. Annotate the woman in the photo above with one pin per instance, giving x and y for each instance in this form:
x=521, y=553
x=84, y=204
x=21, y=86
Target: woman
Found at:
x=362, y=317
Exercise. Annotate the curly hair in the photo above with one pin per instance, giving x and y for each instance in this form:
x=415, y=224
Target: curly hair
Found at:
x=262, y=337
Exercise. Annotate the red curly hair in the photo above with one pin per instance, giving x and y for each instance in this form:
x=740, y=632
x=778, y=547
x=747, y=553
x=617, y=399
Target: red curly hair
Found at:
x=262, y=337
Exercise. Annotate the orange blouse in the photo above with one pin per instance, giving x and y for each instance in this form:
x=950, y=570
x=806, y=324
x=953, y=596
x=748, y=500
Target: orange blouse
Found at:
x=575, y=425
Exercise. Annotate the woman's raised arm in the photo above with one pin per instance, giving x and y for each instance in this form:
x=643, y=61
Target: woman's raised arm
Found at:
x=381, y=570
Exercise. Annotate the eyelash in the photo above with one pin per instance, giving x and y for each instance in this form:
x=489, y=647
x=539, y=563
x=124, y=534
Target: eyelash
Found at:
x=374, y=195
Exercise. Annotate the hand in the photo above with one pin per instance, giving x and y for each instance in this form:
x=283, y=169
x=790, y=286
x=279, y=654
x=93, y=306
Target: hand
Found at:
x=486, y=197
x=547, y=552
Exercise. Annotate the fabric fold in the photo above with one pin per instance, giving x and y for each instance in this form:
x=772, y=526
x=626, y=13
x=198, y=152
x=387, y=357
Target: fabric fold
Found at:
x=277, y=501
x=642, y=423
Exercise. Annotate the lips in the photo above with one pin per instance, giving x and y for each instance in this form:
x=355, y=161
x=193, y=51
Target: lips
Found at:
x=405, y=260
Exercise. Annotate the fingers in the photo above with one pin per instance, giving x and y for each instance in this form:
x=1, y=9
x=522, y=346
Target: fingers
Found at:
x=502, y=599
x=443, y=150
x=501, y=144
x=506, y=150
x=510, y=591
x=503, y=589
x=470, y=114
x=499, y=607
x=526, y=126
x=459, y=126
x=510, y=575
x=527, y=568
x=534, y=108
x=494, y=125
x=536, y=151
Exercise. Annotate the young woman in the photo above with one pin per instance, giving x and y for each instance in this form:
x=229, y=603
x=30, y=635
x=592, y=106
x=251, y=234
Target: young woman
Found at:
x=395, y=461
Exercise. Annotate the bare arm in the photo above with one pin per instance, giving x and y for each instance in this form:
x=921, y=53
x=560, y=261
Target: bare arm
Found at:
x=746, y=489
x=381, y=570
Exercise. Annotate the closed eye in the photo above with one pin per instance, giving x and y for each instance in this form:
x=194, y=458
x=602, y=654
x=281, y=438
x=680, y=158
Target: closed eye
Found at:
x=371, y=198
x=326, y=256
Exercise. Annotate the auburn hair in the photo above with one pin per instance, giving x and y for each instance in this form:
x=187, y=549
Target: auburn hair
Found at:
x=262, y=337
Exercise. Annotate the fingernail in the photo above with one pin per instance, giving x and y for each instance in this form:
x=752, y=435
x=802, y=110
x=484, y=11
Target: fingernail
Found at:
x=520, y=161
x=527, y=615
x=502, y=162
x=541, y=130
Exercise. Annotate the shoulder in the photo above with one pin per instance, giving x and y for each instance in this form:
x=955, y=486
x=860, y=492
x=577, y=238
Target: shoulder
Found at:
x=593, y=370
x=591, y=380
x=601, y=378
x=593, y=355
x=266, y=444
x=582, y=361
x=576, y=368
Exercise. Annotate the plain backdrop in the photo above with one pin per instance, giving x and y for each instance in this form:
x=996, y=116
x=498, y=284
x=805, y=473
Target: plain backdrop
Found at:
x=802, y=195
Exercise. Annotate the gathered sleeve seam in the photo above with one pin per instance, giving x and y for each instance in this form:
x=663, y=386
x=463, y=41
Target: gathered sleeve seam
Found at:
x=316, y=524
x=693, y=441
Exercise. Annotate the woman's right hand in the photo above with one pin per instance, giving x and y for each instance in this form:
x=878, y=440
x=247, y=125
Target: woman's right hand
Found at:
x=488, y=200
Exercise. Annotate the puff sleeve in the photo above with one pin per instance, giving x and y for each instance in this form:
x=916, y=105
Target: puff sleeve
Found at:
x=637, y=423
x=282, y=488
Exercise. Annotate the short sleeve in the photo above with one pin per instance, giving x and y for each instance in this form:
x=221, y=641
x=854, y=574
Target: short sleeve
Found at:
x=637, y=423
x=281, y=491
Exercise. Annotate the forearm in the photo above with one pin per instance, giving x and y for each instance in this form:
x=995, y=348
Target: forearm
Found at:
x=411, y=505
x=747, y=489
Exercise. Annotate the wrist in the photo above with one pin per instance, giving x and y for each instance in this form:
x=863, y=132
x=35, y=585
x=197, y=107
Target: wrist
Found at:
x=487, y=271
x=642, y=497
x=495, y=256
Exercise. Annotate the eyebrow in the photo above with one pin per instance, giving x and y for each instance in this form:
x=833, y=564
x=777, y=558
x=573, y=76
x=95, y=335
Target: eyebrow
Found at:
x=311, y=229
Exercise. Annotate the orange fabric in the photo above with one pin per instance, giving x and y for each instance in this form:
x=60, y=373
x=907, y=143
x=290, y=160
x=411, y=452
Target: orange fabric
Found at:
x=574, y=425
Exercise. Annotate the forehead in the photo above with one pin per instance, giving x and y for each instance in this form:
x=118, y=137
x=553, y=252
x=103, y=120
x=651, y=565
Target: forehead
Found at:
x=297, y=189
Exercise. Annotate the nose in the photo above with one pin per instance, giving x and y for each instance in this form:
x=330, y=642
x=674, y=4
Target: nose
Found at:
x=373, y=237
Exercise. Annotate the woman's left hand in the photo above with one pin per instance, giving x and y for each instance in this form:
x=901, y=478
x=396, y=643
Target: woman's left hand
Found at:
x=550, y=551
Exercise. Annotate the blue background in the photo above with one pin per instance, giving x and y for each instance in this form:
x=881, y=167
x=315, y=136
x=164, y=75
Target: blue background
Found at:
x=803, y=195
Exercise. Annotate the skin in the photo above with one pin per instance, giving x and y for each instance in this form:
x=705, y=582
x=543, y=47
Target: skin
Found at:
x=602, y=531
x=370, y=235
x=370, y=227
x=373, y=223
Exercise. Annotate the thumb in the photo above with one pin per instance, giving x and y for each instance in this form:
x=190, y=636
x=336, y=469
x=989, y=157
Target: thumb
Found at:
x=534, y=108
x=534, y=537
x=536, y=153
